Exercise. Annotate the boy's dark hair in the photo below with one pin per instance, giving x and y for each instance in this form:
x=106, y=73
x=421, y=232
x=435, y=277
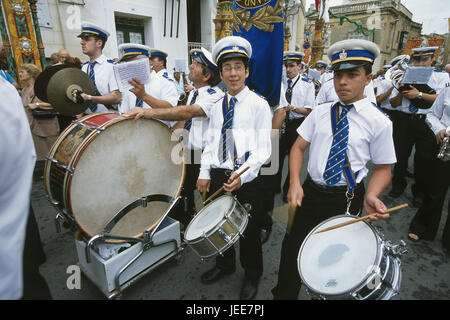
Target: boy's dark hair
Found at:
x=368, y=68
x=102, y=39
x=214, y=78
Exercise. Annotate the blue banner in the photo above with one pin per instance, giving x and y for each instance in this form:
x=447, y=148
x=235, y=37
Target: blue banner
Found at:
x=261, y=23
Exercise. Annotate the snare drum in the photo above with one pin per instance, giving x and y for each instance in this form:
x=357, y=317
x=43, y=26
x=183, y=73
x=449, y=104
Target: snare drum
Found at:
x=216, y=227
x=104, y=162
x=351, y=262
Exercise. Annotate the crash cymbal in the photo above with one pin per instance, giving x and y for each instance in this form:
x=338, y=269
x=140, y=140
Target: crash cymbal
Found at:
x=61, y=86
x=40, y=86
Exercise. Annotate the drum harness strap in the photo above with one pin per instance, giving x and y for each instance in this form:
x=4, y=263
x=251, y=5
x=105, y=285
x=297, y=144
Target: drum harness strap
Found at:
x=348, y=173
x=238, y=162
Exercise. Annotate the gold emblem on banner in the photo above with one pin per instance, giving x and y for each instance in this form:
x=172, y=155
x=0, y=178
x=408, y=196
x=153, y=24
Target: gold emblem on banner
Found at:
x=251, y=4
x=263, y=19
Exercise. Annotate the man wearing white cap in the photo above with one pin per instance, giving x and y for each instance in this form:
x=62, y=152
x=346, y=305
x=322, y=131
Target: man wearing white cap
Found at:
x=158, y=93
x=321, y=66
x=99, y=69
x=342, y=136
x=300, y=96
x=204, y=75
x=239, y=137
x=413, y=130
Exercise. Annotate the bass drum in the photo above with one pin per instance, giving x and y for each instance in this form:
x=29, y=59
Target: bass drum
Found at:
x=103, y=162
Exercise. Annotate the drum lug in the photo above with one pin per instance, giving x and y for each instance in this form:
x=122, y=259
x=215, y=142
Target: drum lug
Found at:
x=399, y=249
x=226, y=237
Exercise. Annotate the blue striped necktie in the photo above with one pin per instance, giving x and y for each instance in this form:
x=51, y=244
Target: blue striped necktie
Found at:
x=188, y=122
x=139, y=102
x=413, y=109
x=227, y=137
x=93, y=106
x=288, y=94
x=338, y=151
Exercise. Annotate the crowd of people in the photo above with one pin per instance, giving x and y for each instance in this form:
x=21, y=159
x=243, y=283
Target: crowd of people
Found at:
x=346, y=119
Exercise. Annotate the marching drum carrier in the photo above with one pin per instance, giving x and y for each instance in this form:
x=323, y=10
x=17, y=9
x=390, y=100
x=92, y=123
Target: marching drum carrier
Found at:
x=113, y=181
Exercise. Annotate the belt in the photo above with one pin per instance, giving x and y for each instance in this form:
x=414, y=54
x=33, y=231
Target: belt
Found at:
x=295, y=119
x=414, y=116
x=332, y=189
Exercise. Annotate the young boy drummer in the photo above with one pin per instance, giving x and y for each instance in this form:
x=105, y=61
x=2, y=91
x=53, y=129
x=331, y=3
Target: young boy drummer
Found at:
x=238, y=137
x=343, y=136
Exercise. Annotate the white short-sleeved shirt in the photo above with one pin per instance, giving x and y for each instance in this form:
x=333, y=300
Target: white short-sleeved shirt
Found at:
x=159, y=88
x=439, y=116
x=252, y=125
x=104, y=79
x=383, y=86
x=328, y=94
x=437, y=82
x=17, y=158
x=303, y=95
x=207, y=98
x=370, y=139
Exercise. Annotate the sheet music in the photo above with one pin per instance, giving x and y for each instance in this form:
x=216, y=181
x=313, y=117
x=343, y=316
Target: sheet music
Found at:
x=124, y=72
x=314, y=74
x=417, y=75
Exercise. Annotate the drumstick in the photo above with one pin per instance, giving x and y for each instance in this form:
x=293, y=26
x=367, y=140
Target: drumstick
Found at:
x=362, y=218
x=291, y=214
x=204, y=196
x=221, y=189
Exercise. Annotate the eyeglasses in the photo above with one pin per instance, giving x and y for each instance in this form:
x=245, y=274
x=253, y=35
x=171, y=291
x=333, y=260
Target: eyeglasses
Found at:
x=237, y=67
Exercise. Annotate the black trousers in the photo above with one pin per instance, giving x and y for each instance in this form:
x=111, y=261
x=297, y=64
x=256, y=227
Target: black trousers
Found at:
x=413, y=131
x=426, y=222
x=287, y=140
x=34, y=285
x=319, y=203
x=186, y=209
x=250, y=244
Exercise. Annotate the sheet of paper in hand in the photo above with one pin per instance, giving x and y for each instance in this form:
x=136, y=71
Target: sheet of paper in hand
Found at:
x=124, y=72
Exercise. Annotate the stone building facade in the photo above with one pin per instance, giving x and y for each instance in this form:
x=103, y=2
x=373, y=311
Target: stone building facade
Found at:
x=392, y=24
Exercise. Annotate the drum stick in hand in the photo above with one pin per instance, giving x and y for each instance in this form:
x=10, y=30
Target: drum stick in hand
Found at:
x=291, y=215
x=221, y=189
x=362, y=218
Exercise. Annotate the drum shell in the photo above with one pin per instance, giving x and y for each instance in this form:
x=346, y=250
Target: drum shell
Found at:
x=221, y=236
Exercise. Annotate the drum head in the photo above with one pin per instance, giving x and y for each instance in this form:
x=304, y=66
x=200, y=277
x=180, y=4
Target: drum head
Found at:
x=337, y=261
x=126, y=161
x=207, y=218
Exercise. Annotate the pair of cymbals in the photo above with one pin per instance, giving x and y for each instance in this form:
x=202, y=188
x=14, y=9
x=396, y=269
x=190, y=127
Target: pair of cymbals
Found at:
x=56, y=84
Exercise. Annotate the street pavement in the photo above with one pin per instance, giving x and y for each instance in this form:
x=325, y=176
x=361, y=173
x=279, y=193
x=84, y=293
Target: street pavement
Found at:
x=425, y=268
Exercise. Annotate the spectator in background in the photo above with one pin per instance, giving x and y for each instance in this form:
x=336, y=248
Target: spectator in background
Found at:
x=63, y=54
x=4, y=69
x=54, y=59
x=44, y=127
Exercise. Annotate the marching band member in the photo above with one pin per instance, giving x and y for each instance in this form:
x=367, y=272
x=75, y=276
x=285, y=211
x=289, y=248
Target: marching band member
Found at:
x=155, y=93
x=239, y=137
x=300, y=96
x=204, y=75
x=343, y=136
x=425, y=223
x=99, y=69
x=160, y=92
x=413, y=131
